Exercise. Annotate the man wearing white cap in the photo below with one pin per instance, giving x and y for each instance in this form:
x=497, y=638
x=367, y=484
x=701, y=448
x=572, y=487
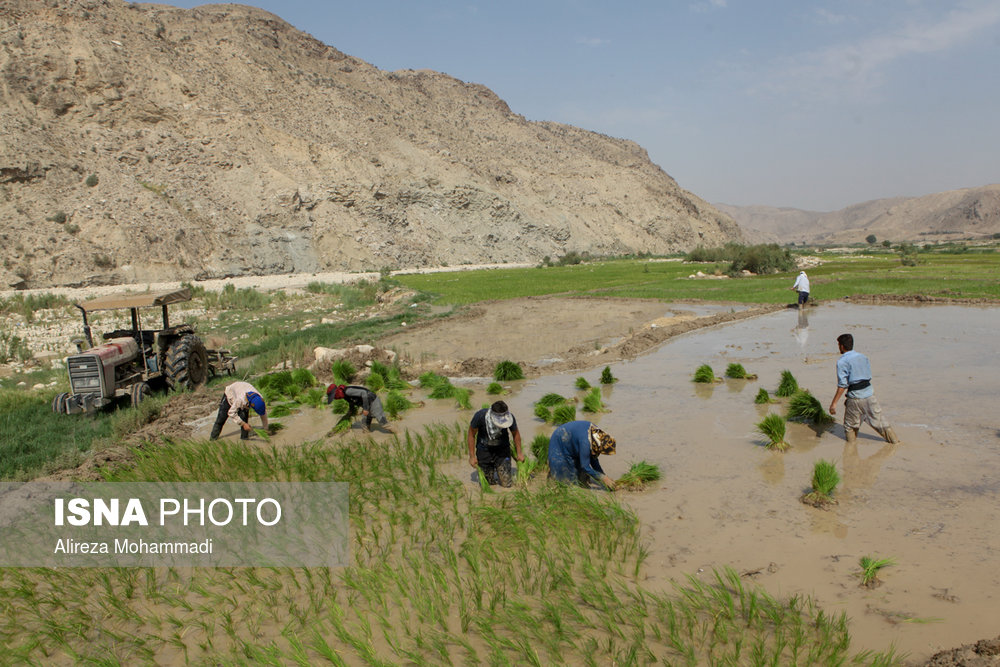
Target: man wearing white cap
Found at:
x=489, y=443
x=802, y=287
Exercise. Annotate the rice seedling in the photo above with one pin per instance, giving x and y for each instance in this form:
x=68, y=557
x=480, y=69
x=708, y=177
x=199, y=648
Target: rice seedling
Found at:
x=582, y=384
x=564, y=413
x=273, y=427
x=462, y=397
x=870, y=568
x=375, y=382
x=736, y=371
x=430, y=379
x=443, y=389
x=339, y=406
x=788, y=385
x=825, y=479
x=314, y=397
x=773, y=427
x=280, y=410
x=542, y=412
x=484, y=484
x=506, y=371
x=303, y=378
x=392, y=377
x=762, y=397
x=607, y=377
x=342, y=426
x=526, y=469
x=704, y=374
x=264, y=435
x=343, y=371
x=540, y=447
x=494, y=389
x=638, y=476
x=803, y=406
x=593, y=402
x=551, y=400
x=396, y=403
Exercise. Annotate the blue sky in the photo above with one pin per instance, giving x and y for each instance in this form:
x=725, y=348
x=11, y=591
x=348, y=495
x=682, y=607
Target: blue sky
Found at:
x=815, y=105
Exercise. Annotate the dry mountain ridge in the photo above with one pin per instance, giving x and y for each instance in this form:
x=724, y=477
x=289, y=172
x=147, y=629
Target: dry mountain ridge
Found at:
x=966, y=214
x=146, y=142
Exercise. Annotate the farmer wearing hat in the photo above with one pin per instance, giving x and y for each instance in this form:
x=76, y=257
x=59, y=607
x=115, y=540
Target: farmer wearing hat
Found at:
x=236, y=402
x=573, y=451
x=802, y=287
x=359, y=398
x=489, y=443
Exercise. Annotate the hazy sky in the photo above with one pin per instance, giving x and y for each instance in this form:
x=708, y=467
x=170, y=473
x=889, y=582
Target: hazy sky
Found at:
x=815, y=105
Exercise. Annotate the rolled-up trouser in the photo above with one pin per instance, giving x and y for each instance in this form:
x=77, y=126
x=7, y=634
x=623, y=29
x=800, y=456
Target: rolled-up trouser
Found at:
x=376, y=412
x=803, y=297
x=223, y=416
x=867, y=409
x=495, y=464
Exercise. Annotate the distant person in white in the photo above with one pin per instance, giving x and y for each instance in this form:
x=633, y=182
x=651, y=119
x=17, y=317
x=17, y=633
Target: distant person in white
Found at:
x=802, y=287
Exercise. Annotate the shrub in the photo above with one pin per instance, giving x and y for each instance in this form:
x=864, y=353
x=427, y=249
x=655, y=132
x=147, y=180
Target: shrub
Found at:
x=704, y=374
x=871, y=239
x=13, y=347
x=92, y=180
x=103, y=261
x=507, y=371
x=773, y=427
x=788, y=385
x=59, y=217
x=564, y=413
x=803, y=406
x=769, y=258
x=607, y=377
x=230, y=298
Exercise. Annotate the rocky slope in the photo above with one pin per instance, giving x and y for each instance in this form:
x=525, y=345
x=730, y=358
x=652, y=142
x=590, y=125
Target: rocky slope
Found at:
x=968, y=214
x=146, y=142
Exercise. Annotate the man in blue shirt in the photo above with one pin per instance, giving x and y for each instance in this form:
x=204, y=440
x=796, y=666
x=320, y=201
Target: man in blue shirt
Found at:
x=573, y=451
x=854, y=376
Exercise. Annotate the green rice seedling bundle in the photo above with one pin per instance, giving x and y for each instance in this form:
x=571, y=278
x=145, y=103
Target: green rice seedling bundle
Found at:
x=540, y=448
x=563, y=413
x=788, y=385
x=339, y=406
x=443, y=389
x=391, y=376
x=543, y=412
x=462, y=397
x=825, y=479
x=526, y=469
x=582, y=384
x=314, y=397
x=430, y=379
x=303, y=378
x=704, y=374
x=593, y=402
x=280, y=410
x=773, y=428
x=736, y=371
x=506, y=371
x=375, y=382
x=343, y=425
x=396, y=403
x=494, y=388
x=607, y=377
x=869, y=570
x=638, y=476
x=263, y=434
x=484, y=484
x=803, y=406
x=279, y=383
x=343, y=371
x=762, y=397
x=551, y=400
x=273, y=427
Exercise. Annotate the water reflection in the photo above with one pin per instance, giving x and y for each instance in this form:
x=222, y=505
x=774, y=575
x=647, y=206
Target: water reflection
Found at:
x=861, y=473
x=801, y=330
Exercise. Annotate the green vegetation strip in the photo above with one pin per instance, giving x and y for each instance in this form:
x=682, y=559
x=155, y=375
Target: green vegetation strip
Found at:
x=440, y=574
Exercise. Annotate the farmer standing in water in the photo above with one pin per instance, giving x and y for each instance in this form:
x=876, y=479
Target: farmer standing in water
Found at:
x=854, y=376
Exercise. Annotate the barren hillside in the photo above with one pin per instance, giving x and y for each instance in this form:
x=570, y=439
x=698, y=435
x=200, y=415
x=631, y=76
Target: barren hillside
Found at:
x=968, y=214
x=146, y=142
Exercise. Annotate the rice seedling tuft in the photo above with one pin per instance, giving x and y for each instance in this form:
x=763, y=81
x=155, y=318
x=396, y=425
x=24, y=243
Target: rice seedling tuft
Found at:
x=273, y=427
x=564, y=413
x=704, y=374
x=484, y=484
x=551, y=400
x=304, y=378
x=526, y=469
x=736, y=371
x=788, y=385
x=506, y=371
x=280, y=410
x=773, y=427
x=540, y=447
x=593, y=402
x=870, y=568
x=396, y=403
x=375, y=382
x=543, y=412
x=638, y=476
x=825, y=479
x=762, y=397
x=805, y=407
x=582, y=384
x=494, y=388
x=339, y=406
x=343, y=371
x=462, y=397
x=607, y=377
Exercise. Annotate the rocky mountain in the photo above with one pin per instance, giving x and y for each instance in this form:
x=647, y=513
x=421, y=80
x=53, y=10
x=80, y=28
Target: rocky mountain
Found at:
x=968, y=214
x=146, y=142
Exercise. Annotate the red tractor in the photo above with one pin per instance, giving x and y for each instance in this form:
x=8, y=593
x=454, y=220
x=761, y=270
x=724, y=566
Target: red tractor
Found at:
x=132, y=362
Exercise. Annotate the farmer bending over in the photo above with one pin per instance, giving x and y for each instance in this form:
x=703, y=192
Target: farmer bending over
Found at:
x=359, y=398
x=854, y=375
x=573, y=451
x=236, y=402
x=489, y=443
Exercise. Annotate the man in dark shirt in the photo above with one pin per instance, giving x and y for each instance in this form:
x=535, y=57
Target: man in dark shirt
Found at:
x=489, y=443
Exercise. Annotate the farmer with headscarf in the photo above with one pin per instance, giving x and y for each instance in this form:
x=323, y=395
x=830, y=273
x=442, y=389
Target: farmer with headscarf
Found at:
x=236, y=402
x=489, y=443
x=359, y=398
x=802, y=287
x=573, y=451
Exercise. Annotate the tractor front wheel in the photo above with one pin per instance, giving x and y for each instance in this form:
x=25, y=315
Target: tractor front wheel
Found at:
x=59, y=403
x=139, y=392
x=187, y=363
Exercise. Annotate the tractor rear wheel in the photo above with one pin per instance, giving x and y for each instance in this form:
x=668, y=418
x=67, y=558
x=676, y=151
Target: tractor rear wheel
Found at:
x=140, y=391
x=187, y=363
x=59, y=403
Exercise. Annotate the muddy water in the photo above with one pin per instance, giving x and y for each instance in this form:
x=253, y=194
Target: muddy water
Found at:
x=932, y=502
